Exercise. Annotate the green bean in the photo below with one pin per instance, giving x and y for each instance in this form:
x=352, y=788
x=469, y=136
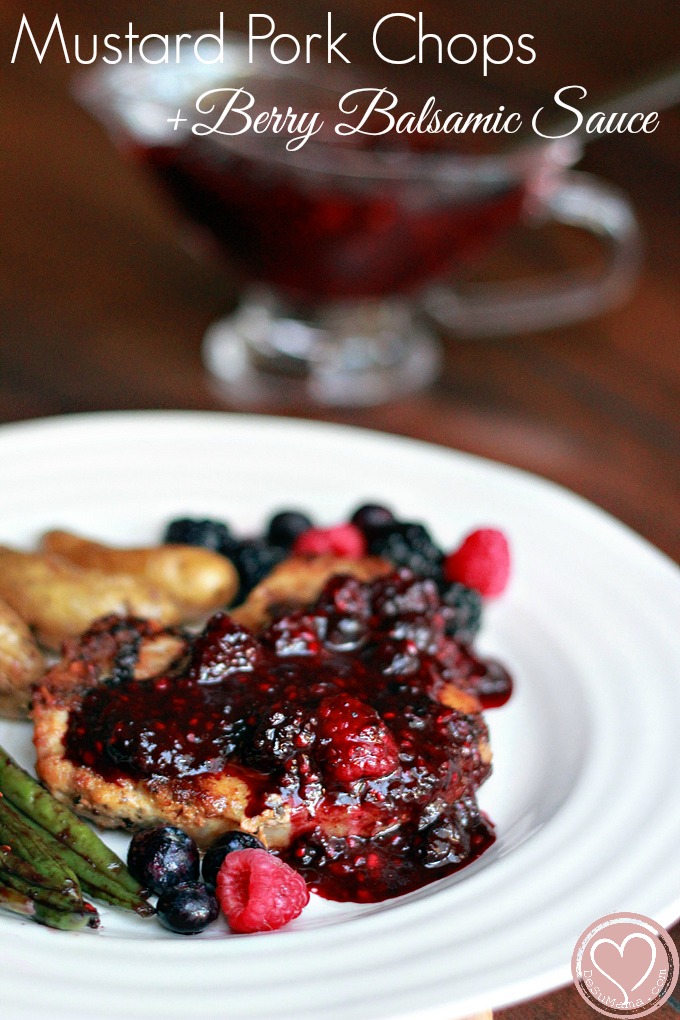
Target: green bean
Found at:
x=29, y=796
x=102, y=887
x=14, y=864
x=37, y=848
x=39, y=893
x=67, y=920
x=98, y=884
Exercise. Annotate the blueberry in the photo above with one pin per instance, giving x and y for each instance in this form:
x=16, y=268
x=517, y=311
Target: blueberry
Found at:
x=228, y=841
x=285, y=526
x=207, y=533
x=371, y=516
x=163, y=857
x=345, y=634
x=187, y=908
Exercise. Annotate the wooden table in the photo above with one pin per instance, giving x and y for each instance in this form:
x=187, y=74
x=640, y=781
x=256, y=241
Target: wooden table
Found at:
x=101, y=309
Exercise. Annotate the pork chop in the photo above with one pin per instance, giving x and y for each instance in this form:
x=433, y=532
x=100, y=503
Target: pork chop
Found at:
x=346, y=725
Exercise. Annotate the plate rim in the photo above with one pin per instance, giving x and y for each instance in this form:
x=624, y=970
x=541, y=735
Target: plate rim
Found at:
x=71, y=420
x=559, y=975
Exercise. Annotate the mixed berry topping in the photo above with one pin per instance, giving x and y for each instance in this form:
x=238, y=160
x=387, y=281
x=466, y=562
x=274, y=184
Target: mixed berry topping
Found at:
x=481, y=563
x=358, y=718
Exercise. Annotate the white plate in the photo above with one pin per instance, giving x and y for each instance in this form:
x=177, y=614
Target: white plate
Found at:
x=586, y=754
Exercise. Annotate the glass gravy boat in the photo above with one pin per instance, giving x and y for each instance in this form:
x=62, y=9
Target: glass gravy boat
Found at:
x=348, y=251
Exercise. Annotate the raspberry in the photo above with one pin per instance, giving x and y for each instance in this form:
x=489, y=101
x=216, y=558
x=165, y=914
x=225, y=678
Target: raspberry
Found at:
x=259, y=892
x=342, y=540
x=482, y=561
x=353, y=741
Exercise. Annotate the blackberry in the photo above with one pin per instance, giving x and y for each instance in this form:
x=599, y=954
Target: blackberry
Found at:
x=408, y=544
x=447, y=841
x=295, y=634
x=285, y=526
x=404, y=594
x=255, y=558
x=462, y=611
x=280, y=734
x=208, y=534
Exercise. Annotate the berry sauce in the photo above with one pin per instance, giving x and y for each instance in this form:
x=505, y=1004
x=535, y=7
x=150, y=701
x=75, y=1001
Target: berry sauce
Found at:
x=358, y=716
x=327, y=241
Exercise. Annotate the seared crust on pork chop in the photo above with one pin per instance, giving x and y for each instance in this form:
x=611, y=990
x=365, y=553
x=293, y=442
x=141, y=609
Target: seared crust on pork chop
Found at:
x=297, y=581
x=204, y=805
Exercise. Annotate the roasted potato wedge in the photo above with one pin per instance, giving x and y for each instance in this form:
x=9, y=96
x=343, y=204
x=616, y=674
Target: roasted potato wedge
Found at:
x=298, y=581
x=21, y=664
x=198, y=580
x=59, y=599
